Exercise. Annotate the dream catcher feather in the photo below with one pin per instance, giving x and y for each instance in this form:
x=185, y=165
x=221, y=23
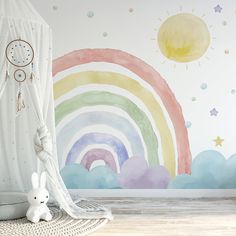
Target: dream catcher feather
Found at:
x=20, y=66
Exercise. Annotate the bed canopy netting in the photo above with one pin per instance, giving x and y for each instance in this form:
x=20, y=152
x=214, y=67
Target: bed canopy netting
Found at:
x=27, y=128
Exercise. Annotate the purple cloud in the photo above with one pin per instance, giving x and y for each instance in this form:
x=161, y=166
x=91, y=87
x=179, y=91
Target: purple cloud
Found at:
x=135, y=174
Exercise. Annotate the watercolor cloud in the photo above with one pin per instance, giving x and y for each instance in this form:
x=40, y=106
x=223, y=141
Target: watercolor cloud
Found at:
x=76, y=176
x=135, y=174
x=210, y=170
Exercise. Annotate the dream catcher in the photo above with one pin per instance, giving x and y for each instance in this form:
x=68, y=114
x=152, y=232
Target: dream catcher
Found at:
x=20, y=56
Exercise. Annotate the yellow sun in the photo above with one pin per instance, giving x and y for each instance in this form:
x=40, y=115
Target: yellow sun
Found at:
x=183, y=37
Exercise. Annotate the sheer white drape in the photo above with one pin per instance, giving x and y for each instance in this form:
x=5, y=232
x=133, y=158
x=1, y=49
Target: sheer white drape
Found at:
x=27, y=139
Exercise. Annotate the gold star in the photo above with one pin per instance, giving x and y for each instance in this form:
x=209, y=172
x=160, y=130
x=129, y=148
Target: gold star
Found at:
x=218, y=141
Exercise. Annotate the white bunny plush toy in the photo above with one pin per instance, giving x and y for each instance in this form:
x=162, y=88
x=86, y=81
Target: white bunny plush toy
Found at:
x=37, y=198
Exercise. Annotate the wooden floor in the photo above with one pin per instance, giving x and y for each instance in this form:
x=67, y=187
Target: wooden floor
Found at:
x=170, y=217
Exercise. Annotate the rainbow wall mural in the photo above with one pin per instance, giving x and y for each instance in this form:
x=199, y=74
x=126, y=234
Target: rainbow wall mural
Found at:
x=123, y=124
x=108, y=119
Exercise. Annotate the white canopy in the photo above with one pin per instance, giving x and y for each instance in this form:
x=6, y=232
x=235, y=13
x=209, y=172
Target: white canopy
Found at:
x=27, y=129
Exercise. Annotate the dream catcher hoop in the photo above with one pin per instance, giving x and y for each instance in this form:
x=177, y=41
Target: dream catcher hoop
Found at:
x=20, y=55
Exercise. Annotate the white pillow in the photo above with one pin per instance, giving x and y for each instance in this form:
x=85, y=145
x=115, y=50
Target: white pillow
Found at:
x=13, y=205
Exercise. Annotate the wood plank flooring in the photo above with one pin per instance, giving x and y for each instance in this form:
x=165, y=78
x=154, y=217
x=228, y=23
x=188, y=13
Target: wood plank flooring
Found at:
x=170, y=217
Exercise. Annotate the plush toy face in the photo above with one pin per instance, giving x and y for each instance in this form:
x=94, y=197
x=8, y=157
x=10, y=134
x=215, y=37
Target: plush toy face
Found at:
x=37, y=197
x=39, y=194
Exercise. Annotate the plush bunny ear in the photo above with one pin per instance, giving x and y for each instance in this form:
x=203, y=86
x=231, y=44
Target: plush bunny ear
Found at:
x=43, y=180
x=35, y=180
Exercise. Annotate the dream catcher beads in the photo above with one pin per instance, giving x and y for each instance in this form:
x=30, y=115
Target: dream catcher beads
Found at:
x=20, y=56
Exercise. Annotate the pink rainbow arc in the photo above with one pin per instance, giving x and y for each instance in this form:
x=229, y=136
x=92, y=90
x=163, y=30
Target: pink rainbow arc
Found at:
x=98, y=154
x=147, y=73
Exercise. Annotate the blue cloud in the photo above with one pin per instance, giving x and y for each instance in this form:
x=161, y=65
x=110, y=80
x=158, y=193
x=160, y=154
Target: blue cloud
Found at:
x=76, y=176
x=210, y=170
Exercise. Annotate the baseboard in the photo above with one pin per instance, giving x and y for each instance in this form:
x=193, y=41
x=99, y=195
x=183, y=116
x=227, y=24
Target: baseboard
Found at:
x=157, y=193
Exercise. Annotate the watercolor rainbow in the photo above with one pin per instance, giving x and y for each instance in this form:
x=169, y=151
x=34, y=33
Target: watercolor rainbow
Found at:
x=110, y=116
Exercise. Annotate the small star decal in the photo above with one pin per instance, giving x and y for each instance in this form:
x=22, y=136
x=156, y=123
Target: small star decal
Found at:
x=218, y=141
x=214, y=112
x=218, y=8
